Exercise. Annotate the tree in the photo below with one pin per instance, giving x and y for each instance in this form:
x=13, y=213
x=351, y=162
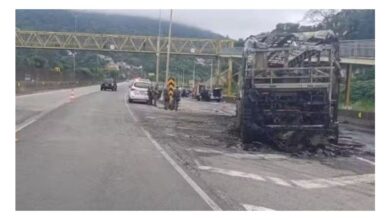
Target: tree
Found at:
x=319, y=16
x=347, y=24
x=37, y=61
x=286, y=27
x=354, y=24
x=239, y=43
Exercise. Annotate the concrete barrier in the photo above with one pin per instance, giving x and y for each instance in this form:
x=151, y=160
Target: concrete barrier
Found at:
x=31, y=107
x=26, y=87
x=359, y=118
x=230, y=99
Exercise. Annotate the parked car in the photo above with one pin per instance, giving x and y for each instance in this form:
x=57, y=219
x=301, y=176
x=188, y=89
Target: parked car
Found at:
x=216, y=95
x=138, y=90
x=108, y=83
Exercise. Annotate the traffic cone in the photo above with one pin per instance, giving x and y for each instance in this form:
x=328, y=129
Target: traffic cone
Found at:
x=71, y=97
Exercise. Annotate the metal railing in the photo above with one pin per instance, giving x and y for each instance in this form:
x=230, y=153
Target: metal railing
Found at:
x=147, y=44
x=124, y=43
x=363, y=49
x=357, y=49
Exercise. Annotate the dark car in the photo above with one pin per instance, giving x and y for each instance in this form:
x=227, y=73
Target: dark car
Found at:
x=108, y=84
x=216, y=94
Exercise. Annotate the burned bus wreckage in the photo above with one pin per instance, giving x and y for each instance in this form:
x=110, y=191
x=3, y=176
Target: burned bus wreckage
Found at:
x=289, y=90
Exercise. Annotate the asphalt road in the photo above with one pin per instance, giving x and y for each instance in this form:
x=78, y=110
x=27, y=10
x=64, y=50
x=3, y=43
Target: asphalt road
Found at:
x=200, y=136
x=100, y=153
x=91, y=155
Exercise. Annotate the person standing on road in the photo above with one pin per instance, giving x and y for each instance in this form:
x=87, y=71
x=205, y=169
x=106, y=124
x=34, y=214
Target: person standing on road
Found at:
x=155, y=95
x=176, y=98
x=166, y=98
x=150, y=96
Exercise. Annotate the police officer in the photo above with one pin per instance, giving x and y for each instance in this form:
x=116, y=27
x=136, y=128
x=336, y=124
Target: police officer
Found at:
x=150, y=96
x=166, y=98
x=176, y=98
x=155, y=95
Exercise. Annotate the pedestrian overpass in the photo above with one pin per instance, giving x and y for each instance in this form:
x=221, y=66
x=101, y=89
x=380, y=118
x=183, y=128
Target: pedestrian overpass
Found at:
x=352, y=52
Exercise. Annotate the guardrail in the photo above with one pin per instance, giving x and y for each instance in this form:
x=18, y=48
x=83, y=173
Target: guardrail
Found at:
x=23, y=87
x=363, y=49
x=357, y=49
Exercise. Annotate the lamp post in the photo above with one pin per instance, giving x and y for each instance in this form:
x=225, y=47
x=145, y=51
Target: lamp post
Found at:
x=73, y=55
x=182, y=79
x=211, y=76
x=74, y=51
x=158, y=50
x=193, y=76
x=74, y=64
x=193, y=72
x=169, y=46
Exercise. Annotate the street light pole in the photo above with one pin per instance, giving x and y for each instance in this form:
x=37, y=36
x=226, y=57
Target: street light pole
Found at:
x=158, y=49
x=169, y=47
x=182, y=79
x=74, y=51
x=74, y=64
x=193, y=76
x=97, y=66
x=211, y=76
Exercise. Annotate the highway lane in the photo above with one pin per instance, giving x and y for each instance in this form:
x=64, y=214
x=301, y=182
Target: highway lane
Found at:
x=100, y=153
x=31, y=107
x=91, y=155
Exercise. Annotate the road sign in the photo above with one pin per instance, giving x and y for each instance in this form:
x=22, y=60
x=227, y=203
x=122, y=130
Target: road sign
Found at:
x=171, y=85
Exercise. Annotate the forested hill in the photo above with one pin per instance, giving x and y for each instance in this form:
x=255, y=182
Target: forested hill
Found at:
x=90, y=22
x=88, y=65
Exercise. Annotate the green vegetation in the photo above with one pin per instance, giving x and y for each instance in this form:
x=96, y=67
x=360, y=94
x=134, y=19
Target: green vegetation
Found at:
x=348, y=25
x=92, y=22
x=88, y=65
x=362, y=91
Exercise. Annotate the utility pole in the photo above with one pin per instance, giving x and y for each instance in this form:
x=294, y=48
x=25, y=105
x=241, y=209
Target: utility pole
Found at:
x=74, y=51
x=158, y=49
x=97, y=66
x=169, y=47
x=182, y=77
x=211, y=76
x=193, y=76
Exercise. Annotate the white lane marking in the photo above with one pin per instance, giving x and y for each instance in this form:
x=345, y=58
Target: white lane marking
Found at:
x=187, y=178
x=241, y=156
x=234, y=173
x=25, y=124
x=249, y=207
x=305, y=184
x=279, y=181
x=62, y=90
x=257, y=156
x=197, y=162
x=365, y=160
x=335, y=181
x=206, y=151
x=34, y=118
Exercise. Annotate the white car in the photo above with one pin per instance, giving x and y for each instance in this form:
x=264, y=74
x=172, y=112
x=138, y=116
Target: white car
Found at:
x=138, y=90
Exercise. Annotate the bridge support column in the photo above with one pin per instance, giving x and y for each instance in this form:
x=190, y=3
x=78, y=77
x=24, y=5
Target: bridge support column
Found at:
x=229, y=76
x=348, y=77
x=218, y=71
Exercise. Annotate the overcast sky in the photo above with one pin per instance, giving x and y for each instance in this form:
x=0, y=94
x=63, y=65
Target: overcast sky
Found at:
x=235, y=23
